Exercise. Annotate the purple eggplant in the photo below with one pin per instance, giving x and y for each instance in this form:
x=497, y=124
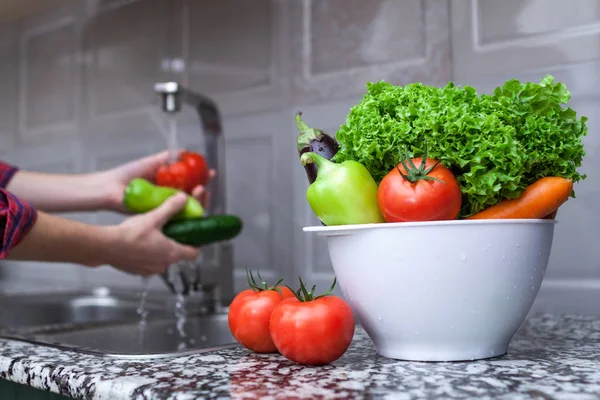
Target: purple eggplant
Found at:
x=315, y=141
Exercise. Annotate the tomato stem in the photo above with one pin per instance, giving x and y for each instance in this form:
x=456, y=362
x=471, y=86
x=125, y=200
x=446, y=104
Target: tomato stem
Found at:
x=414, y=173
x=304, y=295
x=263, y=284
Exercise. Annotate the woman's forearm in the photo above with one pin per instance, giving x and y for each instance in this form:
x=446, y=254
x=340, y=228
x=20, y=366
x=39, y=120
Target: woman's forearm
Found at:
x=61, y=193
x=56, y=239
x=137, y=245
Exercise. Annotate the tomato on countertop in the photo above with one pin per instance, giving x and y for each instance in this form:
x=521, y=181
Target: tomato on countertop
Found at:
x=312, y=330
x=189, y=171
x=429, y=192
x=250, y=311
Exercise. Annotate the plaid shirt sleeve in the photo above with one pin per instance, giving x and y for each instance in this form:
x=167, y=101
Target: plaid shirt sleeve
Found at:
x=7, y=171
x=16, y=216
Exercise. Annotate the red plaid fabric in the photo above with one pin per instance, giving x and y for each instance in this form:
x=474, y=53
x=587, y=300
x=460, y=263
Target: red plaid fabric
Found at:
x=16, y=216
x=7, y=171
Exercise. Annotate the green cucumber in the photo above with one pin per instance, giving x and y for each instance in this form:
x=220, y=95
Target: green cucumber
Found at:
x=202, y=231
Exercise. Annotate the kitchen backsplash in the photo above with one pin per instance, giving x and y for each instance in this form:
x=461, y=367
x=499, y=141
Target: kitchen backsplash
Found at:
x=77, y=96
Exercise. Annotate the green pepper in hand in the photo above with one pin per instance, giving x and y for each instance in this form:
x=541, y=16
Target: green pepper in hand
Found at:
x=142, y=196
x=343, y=193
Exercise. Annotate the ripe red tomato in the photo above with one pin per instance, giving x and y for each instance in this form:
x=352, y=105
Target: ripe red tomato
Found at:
x=312, y=330
x=189, y=171
x=250, y=311
x=416, y=193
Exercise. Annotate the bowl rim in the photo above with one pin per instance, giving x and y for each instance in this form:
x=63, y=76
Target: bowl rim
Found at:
x=388, y=225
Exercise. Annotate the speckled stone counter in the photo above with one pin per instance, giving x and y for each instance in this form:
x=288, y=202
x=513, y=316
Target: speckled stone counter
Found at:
x=551, y=357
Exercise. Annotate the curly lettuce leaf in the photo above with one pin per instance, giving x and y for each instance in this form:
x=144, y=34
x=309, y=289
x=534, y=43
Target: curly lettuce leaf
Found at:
x=496, y=144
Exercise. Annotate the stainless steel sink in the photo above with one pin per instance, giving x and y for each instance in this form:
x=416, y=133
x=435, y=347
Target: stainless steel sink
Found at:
x=159, y=338
x=108, y=324
x=72, y=308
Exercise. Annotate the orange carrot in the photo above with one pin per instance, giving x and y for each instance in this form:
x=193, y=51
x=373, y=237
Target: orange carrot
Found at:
x=551, y=215
x=538, y=200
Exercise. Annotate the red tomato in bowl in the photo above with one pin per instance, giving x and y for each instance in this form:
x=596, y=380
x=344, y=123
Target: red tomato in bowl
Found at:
x=189, y=171
x=312, y=330
x=423, y=192
x=250, y=312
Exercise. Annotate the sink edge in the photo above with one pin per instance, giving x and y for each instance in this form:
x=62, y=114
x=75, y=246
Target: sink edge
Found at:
x=100, y=353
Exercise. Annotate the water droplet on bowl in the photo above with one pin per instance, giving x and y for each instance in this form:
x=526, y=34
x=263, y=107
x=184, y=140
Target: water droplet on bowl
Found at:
x=507, y=297
x=539, y=253
x=515, y=286
x=524, y=257
x=379, y=318
x=518, y=245
x=533, y=288
x=463, y=256
x=473, y=312
x=503, y=256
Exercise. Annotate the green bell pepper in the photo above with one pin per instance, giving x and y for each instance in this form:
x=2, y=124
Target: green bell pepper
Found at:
x=142, y=196
x=343, y=193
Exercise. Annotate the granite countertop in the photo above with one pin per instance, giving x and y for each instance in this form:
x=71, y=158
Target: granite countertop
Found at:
x=551, y=357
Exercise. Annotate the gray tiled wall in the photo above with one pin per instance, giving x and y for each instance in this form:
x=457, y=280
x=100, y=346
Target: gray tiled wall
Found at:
x=77, y=96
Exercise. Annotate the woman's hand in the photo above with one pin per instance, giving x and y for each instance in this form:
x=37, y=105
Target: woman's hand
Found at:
x=139, y=246
x=89, y=192
x=117, y=179
x=136, y=246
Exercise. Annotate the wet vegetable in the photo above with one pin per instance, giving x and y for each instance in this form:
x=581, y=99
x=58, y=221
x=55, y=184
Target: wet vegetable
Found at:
x=419, y=189
x=250, y=312
x=142, y=196
x=314, y=141
x=312, y=330
x=539, y=200
x=343, y=193
x=206, y=230
x=189, y=171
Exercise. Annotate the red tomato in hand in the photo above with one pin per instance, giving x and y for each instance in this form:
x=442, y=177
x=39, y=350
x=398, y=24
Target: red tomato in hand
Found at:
x=314, y=331
x=417, y=194
x=249, y=315
x=189, y=171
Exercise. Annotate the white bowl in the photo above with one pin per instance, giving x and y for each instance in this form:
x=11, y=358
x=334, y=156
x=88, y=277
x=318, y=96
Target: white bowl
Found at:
x=444, y=290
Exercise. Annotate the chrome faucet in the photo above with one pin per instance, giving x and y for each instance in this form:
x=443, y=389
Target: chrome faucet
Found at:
x=212, y=273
